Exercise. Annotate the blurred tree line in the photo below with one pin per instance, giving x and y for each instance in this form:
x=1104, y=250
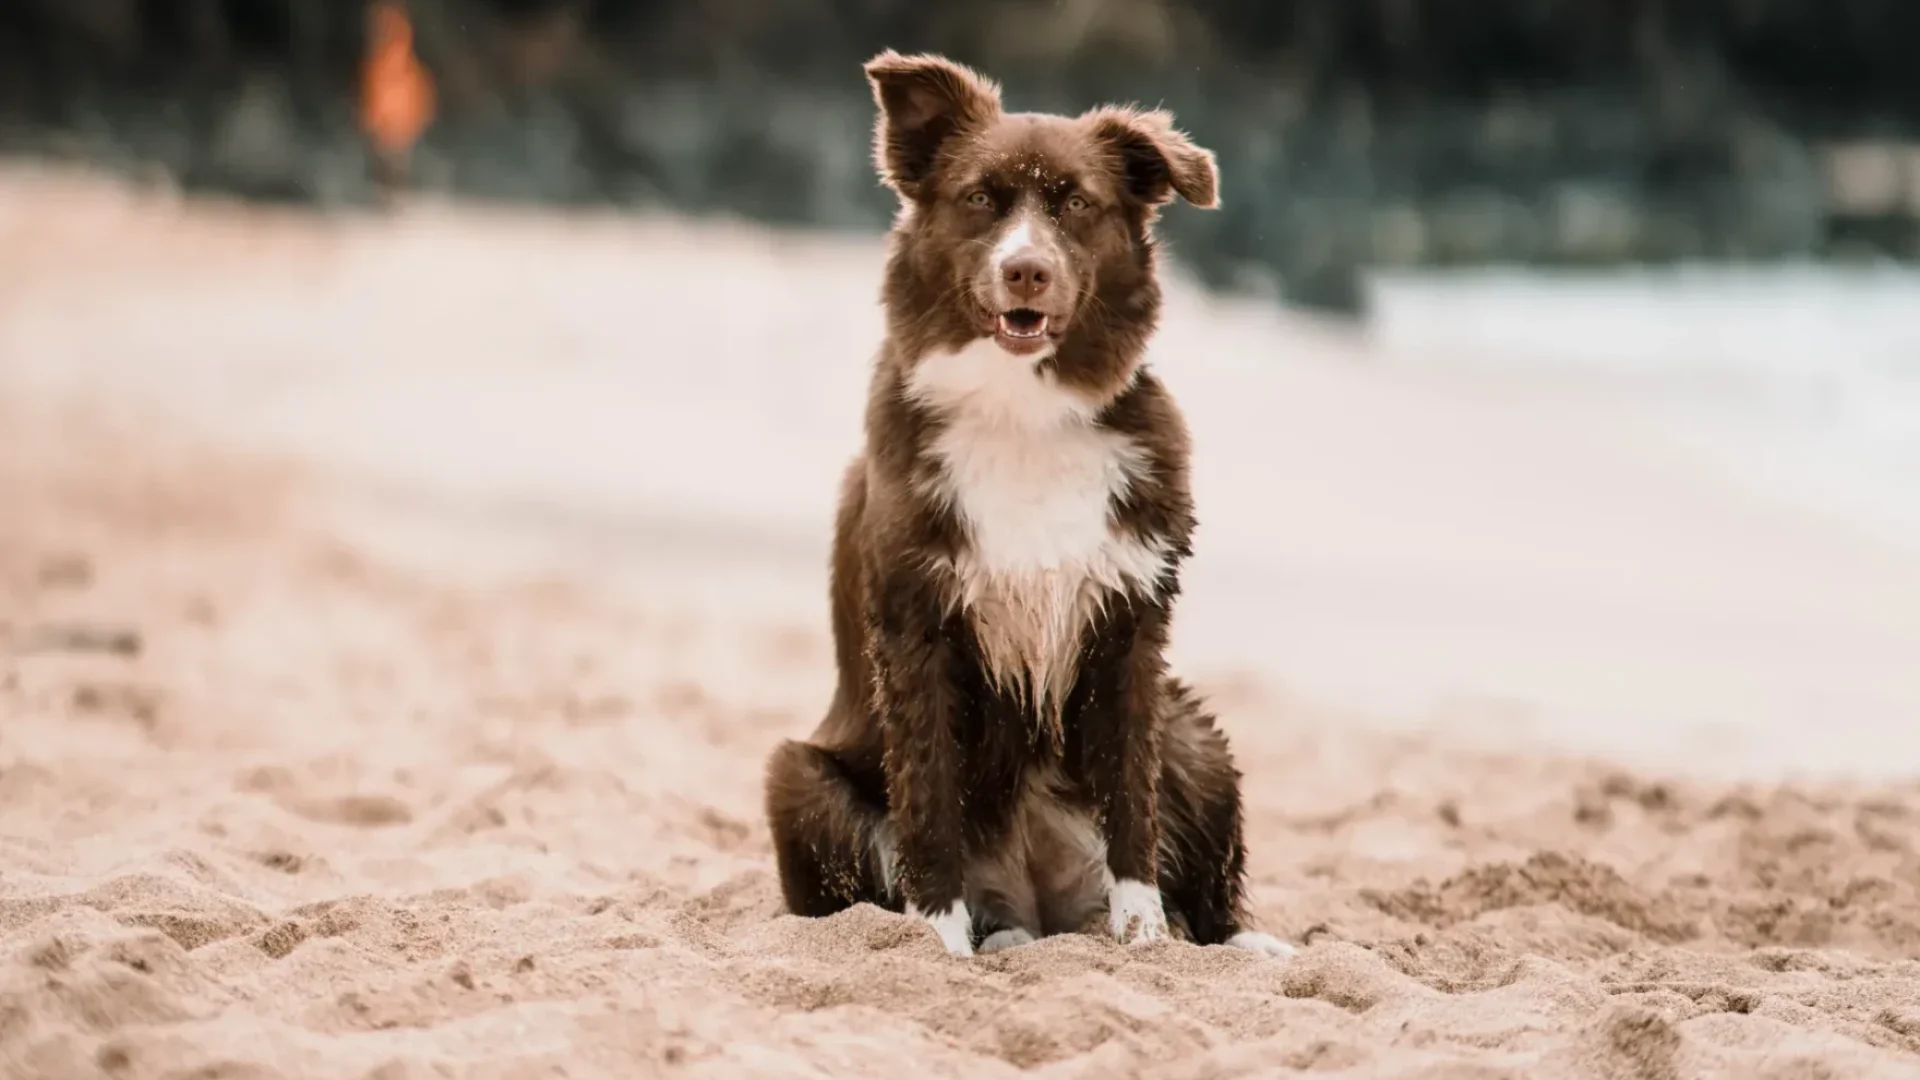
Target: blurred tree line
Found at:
x=1350, y=132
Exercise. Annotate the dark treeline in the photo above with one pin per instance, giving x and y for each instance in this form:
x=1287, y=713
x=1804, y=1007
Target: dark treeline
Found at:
x=1351, y=132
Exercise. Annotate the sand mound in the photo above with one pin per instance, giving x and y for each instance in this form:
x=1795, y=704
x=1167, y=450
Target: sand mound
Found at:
x=274, y=805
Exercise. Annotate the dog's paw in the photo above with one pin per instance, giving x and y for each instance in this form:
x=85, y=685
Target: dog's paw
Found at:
x=1001, y=940
x=1254, y=941
x=1135, y=913
x=954, y=925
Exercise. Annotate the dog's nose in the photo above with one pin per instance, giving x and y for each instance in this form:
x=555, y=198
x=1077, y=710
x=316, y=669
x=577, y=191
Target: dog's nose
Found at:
x=1027, y=274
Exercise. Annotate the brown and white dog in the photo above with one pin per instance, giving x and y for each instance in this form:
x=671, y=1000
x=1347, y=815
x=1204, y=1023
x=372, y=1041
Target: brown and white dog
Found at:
x=1005, y=755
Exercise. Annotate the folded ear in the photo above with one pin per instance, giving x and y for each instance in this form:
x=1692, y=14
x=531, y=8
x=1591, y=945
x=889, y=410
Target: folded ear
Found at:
x=1157, y=160
x=924, y=101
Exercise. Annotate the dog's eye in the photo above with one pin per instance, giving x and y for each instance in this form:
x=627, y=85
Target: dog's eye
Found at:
x=979, y=200
x=1077, y=203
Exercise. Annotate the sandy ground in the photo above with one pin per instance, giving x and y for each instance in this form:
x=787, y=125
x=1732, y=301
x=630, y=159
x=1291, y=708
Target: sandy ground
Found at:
x=388, y=650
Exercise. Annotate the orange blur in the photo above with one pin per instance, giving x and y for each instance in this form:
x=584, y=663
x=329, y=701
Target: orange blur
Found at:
x=396, y=93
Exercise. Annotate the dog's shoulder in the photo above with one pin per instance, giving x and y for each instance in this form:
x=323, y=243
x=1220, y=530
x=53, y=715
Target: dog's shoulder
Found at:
x=1157, y=504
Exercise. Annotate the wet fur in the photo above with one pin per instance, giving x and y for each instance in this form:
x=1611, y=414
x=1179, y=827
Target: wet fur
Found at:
x=1004, y=746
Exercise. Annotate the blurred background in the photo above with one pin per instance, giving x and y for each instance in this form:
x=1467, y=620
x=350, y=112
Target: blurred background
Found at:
x=1352, y=133
x=1560, y=352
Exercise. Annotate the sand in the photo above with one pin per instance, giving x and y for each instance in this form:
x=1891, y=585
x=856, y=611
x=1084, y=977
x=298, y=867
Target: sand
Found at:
x=381, y=706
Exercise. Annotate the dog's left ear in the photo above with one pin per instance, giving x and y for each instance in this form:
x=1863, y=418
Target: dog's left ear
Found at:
x=1157, y=160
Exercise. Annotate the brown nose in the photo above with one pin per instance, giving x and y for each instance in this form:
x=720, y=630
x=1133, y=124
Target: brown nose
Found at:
x=1027, y=275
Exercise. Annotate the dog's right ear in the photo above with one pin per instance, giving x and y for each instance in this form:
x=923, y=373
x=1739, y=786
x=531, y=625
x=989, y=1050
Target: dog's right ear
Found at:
x=924, y=101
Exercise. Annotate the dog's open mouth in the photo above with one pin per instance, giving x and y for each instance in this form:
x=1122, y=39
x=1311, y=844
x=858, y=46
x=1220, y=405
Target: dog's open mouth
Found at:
x=1022, y=330
x=1023, y=323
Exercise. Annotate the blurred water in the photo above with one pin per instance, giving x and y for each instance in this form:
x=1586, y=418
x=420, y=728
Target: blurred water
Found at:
x=1800, y=383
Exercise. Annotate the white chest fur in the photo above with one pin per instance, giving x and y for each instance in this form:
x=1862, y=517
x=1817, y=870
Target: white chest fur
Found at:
x=1033, y=481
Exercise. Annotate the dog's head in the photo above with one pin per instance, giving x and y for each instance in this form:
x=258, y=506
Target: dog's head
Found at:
x=1032, y=230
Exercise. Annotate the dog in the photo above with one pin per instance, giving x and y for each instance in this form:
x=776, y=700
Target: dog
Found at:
x=1005, y=755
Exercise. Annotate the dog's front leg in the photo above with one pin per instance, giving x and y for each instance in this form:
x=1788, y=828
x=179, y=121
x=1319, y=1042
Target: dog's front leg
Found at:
x=918, y=701
x=1120, y=733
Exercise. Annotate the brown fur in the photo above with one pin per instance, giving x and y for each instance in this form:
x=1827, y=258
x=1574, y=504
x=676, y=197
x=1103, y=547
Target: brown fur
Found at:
x=1012, y=796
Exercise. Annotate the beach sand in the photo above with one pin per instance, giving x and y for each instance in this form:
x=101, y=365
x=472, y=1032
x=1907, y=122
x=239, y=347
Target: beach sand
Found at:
x=395, y=616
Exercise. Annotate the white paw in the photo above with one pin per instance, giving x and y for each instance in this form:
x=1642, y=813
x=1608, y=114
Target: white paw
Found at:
x=954, y=925
x=1005, y=939
x=1135, y=912
x=1265, y=944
